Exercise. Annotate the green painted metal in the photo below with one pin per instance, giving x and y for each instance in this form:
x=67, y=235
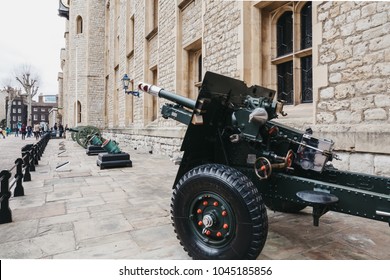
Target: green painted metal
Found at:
x=111, y=146
x=96, y=140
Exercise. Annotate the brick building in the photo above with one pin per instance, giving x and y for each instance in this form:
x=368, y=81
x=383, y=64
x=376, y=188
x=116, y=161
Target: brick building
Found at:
x=40, y=110
x=328, y=60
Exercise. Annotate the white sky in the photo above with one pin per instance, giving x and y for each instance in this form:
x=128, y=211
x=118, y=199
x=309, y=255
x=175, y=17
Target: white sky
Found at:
x=32, y=33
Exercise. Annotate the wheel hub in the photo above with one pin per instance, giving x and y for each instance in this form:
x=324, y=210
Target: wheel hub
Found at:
x=212, y=219
x=208, y=220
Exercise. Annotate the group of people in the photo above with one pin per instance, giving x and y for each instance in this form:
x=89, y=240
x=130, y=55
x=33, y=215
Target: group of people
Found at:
x=60, y=129
x=28, y=131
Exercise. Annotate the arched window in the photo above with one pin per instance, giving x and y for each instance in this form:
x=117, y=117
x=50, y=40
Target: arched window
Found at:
x=306, y=27
x=79, y=25
x=293, y=54
x=78, y=112
x=285, y=34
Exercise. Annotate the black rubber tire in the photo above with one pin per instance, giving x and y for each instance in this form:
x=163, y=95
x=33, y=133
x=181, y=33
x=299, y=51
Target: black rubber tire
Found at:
x=284, y=206
x=248, y=213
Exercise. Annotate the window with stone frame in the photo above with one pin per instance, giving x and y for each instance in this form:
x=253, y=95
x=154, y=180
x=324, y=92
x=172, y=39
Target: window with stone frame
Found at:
x=78, y=112
x=151, y=16
x=79, y=25
x=195, y=74
x=292, y=27
x=130, y=35
x=151, y=107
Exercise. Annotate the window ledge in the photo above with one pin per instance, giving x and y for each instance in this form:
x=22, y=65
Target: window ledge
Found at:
x=152, y=34
x=282, y=59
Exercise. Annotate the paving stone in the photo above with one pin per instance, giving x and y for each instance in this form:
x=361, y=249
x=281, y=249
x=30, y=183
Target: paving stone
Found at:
x=46, y=210
x=101, y=226
x=39, y=247
x=63, y=218
x=116, y=250
x=17, y=231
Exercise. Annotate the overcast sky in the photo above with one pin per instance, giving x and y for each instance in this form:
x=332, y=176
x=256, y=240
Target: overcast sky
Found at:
x=32, y=33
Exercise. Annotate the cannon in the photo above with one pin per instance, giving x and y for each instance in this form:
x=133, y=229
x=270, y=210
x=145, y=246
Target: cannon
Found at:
x=237, y=160
x=82, y=134
x=108, y=151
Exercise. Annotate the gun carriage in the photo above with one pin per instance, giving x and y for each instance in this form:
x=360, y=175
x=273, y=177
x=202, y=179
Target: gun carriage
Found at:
x=237, y=160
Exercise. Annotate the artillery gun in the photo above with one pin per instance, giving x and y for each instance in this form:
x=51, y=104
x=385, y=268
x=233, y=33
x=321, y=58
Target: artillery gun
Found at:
x=237, y=160
x=108, y=151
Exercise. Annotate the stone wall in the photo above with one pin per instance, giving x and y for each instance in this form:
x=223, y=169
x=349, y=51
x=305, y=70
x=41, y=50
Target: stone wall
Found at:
x=355, y=42
x=221, y=41
x=353, y=106
x=350, y=66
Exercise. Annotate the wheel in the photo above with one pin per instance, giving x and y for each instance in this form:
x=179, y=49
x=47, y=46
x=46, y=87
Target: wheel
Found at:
x=218, y=213
x=84, y=135
x=284, y=206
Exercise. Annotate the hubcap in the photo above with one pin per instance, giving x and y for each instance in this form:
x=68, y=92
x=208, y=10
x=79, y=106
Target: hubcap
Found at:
x=207, y=221
x=212, y=219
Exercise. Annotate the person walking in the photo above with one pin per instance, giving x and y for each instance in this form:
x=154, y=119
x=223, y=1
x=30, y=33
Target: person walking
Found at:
x=61, y=129
x=29, y=131
x=23, y=130
x=37, y=129
x=2, y=132
x=55, y=129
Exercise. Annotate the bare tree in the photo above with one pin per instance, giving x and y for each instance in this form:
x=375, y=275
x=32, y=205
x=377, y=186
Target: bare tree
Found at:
x=29, y=82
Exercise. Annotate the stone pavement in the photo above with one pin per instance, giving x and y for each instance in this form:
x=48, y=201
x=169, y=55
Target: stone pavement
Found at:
x=81, y=212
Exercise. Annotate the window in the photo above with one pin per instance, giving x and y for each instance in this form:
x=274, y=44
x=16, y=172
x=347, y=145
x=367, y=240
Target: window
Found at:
x=42, y=117
x=293, y=53
x=130, y=35
x=35, y=109
x=78, y=112
x=19, y=110
x=42, y=109
x=194, y=72
x=14, y=118
x=19, y=102
x=151, y=18
x=35, y=117
x=19, y=118
x=284, y=34
x=14, y=110
x=79, y=25
x=155, y=14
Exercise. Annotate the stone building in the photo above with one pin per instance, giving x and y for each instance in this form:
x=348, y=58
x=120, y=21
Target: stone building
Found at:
x=329, y=61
